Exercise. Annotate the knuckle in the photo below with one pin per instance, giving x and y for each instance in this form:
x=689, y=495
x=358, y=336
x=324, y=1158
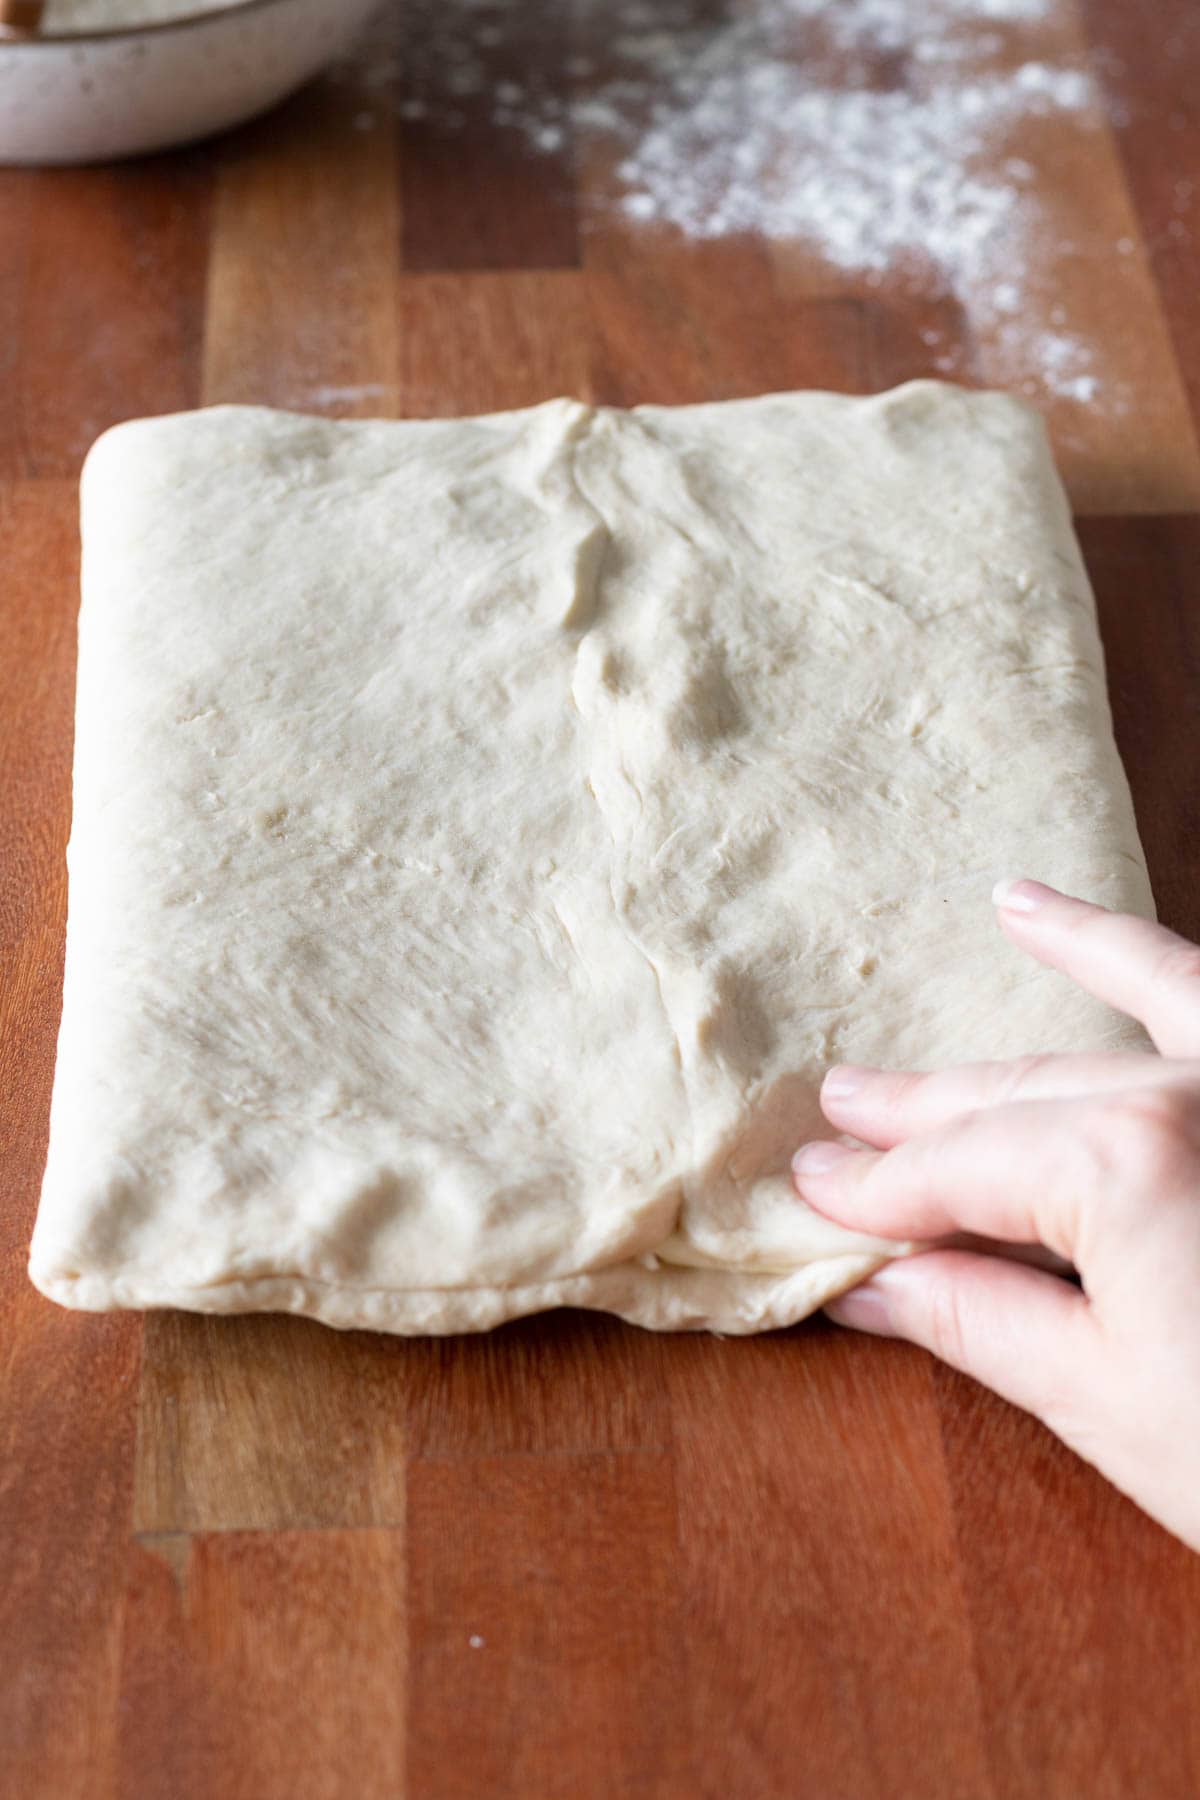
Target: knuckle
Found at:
x=1082, y=921
x=947, y=1323
x=1019, y=1075
x=1151, y=1138
x=1178, y=965
x=906, y=1089
x=1070, y=1409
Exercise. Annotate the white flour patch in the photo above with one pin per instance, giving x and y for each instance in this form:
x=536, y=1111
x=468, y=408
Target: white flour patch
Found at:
x=345, y=396
x=885, y=137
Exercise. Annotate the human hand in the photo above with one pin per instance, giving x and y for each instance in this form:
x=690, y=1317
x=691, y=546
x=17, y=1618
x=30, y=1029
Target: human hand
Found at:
x=1095, y=1157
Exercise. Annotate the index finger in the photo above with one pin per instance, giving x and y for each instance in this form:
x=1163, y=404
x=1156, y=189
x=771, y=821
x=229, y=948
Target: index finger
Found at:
x=1140, y=968
x=1018, y=1173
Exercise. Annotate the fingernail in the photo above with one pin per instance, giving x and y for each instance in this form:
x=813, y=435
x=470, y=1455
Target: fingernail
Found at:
x=863, y=1308
x=845, y=1081
x=819, y=1158
x=1022, y=896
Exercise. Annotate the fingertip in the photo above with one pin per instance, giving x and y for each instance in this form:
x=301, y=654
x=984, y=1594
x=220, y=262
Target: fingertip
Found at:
x=820, y=1158
x=862, y=1308
x=1021, y=896
x=826, y=1176
x=843, y=1082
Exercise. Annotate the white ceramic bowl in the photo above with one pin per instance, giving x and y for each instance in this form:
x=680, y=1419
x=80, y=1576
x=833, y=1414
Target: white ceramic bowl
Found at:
x=95, y=95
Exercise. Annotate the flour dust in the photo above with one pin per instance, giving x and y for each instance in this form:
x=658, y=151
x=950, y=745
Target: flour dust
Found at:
x=883, y=135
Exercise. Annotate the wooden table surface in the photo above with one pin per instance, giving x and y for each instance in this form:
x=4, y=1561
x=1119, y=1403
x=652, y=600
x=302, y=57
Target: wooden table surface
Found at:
x=257, y=1558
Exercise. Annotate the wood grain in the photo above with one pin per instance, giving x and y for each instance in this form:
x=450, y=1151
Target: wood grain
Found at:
x=547, y=1650
x=486, y=221
x=679, y=323
x=1146, y=574
x=67, y=1382
x=300, y=308
x=1151, y=92
x=586, y=1383
x=1081, y=282
x=264, y=1663
x=1071, y=1662
x=488, y=342
x=1137, y=450
x=250, y=1557
x=123, y=341
x=264, y=1424
x=820, y=1646
x=16, y=214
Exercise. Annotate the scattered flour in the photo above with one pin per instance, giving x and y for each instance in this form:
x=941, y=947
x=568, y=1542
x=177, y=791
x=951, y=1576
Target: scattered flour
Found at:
x=345, y=396
x=879, y=133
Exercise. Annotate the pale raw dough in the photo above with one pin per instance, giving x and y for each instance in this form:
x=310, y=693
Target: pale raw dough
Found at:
x=486, y=833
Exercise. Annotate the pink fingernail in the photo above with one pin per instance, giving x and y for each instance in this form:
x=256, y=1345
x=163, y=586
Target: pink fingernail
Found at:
x=863, y=1309
x=820, y=1158
x=844, y=1082
x=1022, y=896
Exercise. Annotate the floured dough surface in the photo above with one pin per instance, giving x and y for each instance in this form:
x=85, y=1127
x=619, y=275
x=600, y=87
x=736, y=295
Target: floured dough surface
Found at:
x=487, y=832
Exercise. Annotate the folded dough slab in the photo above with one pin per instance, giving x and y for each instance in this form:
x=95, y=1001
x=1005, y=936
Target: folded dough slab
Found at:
x=487, y=832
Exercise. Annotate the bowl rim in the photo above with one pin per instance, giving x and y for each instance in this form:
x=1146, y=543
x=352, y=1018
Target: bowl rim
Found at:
x=147, y=28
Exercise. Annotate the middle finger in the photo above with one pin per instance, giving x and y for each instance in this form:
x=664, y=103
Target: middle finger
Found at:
x=886, y=1107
